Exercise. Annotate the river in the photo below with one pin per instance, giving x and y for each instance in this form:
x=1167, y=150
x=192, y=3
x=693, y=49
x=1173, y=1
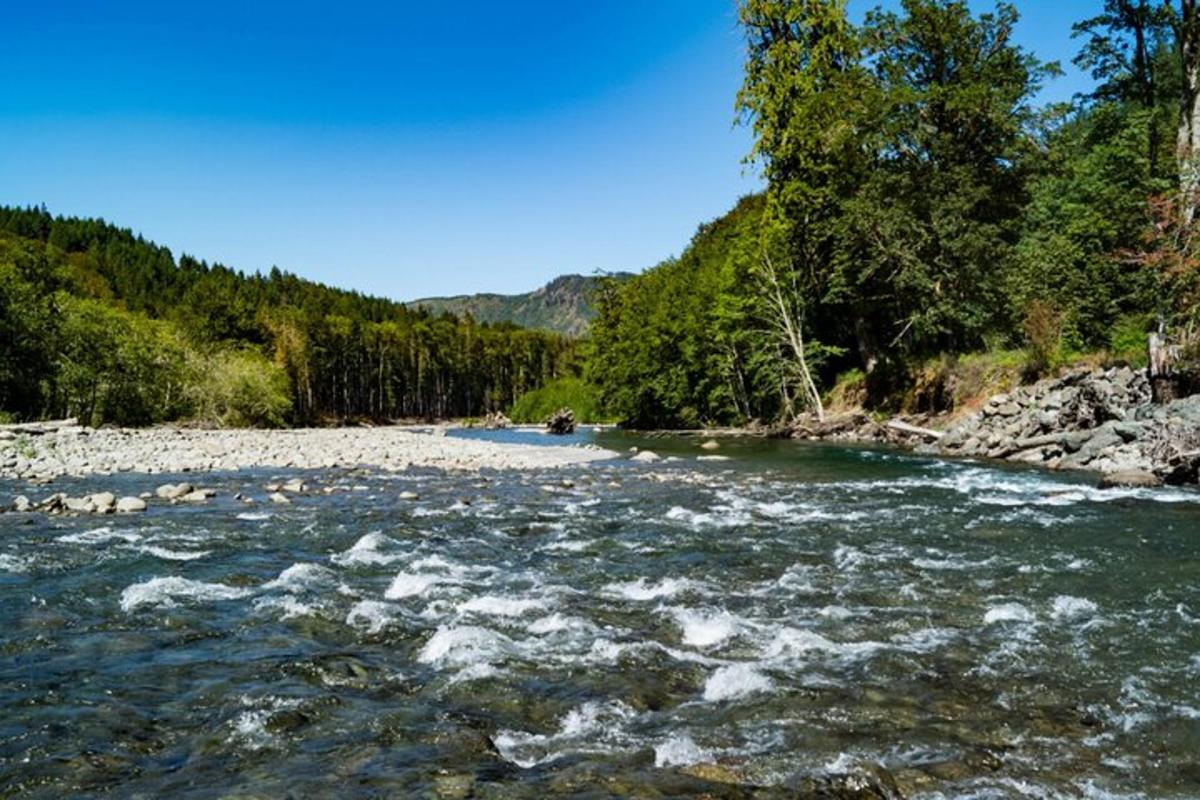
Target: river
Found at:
x=648, y=630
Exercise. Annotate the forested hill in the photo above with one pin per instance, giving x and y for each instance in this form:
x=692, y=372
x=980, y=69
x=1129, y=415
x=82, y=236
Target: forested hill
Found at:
x=98, y=323
x=922, y=206
x=566, y=305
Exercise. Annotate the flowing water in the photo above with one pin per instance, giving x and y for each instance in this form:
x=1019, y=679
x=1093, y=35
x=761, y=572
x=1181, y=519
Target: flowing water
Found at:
x=672, y=629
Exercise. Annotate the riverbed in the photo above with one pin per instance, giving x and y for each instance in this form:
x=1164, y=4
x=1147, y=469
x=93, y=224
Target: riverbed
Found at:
x=736, y=627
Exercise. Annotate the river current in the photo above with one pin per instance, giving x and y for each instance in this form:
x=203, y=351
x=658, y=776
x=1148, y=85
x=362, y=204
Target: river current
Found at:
x=719, y=627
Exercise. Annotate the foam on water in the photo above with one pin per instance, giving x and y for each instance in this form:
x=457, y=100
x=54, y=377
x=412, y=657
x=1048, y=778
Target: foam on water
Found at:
x=464, y=646
x=1070, y=609
x=366, y=551
x=705, y=628
x=501, y=606
x=302, y=577
x=1008, y=612
x=372, y=615
x=408, y=584
x=593, y=727
x=100, y=536
x=13, y=564
x=735, y=681
x=641, y=591
x=167, y=592
x=679, y=751
x=172, y=555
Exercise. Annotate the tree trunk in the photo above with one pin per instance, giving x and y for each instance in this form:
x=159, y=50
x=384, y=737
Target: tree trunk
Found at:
x=1164, y=381
x=1189, y=123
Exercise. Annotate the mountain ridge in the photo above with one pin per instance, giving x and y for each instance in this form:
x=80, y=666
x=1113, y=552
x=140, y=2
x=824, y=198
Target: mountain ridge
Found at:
x=565, y=304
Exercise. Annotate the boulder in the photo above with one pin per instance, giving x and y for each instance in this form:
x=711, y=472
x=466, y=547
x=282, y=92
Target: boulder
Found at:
x=80, y=505
x=561, y=422
x=103, y=502
x=646, y=457
x=198, y=496
x=295, y=486
x=173, y=491
x=410, y=496
x=710, y=445
x=1130, y=479
x=21, y=503
x=279, y=497
x=130, y=505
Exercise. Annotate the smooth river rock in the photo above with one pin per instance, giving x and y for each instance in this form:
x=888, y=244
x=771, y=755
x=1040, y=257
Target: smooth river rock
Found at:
x=130, y=505
x=1130, y=479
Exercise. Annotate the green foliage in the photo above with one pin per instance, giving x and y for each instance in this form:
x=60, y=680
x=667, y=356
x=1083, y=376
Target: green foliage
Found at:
x=101, y=324
x=241, y=388
x=1129, y=340
x=574, y=393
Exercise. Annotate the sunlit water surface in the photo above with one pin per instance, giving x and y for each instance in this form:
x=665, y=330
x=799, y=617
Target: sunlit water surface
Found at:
x=795, y=610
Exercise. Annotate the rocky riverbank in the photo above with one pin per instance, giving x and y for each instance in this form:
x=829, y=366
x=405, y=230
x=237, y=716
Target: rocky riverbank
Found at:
x=1100, y=420
x=71, y=450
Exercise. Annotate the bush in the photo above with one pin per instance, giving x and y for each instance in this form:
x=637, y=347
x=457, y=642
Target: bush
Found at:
x=241, y=388
x=1130, y=337
x=573, y=393
x=1044, y=323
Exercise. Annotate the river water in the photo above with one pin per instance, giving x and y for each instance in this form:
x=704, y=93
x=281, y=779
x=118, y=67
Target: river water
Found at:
x=663, y=630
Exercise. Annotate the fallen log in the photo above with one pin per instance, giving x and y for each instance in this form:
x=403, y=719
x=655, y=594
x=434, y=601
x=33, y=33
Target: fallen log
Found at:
x=904, y=427
x=38, y=428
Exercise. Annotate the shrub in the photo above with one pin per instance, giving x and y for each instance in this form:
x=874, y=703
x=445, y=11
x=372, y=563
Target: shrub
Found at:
x=241, y=388
x=1129, y=341
x=578, y=395
x=1044, y=336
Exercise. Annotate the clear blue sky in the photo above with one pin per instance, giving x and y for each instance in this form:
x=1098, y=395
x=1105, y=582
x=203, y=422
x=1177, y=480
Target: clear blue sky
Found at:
x=398, y=148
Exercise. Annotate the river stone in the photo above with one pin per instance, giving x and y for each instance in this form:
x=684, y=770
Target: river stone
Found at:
x=1130, y=479
x=104, y=502
x=409, y=496
x=295, y=486
x=130, y=505
x=197, y=496
x=81, y=505
x=21, y=503
x=279, y=497
x=173, y=491
x=710, y=445
x=646, y=457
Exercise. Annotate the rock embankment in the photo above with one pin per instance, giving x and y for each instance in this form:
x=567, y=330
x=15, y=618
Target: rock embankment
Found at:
x=81, y=451
x=1087, y=419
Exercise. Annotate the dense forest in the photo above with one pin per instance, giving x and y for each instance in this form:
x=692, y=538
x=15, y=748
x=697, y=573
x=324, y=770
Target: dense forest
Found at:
x=102, y=325
x=921, y=205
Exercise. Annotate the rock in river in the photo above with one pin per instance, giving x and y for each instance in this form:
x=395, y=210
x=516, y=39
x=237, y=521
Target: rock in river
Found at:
x=1130, y=479
x=130, y=505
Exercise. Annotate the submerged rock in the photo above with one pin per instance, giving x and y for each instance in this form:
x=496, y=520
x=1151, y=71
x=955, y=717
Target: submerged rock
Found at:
x=1130, y=479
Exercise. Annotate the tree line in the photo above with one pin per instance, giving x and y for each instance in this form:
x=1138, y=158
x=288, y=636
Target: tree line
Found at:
x=98, y=323
x=921, y=203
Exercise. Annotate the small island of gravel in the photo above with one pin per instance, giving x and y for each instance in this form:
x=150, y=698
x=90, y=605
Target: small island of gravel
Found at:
x=44, y=453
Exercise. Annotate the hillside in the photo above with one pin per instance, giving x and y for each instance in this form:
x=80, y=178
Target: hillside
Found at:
x=564, y=305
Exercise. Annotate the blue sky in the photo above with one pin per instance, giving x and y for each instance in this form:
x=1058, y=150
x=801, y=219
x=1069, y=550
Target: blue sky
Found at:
x=396, y=148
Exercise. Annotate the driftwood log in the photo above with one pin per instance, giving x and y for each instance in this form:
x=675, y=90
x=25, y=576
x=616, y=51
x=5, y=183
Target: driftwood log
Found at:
x=904, y=427
x=39, y=428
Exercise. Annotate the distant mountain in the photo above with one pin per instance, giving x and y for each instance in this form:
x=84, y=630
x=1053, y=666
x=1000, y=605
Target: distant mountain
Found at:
x=565, y=304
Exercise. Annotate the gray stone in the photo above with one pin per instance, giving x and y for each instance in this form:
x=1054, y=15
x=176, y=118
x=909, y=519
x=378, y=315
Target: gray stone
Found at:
x=104, y=502
x=197, y=496
x=408, y=496
x=279, y=497
x=21, y=503
x=646, y=457
x=1130, y=479
x=130, y=505
x=173, y=491
x=80, y=505
x=295, y=486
